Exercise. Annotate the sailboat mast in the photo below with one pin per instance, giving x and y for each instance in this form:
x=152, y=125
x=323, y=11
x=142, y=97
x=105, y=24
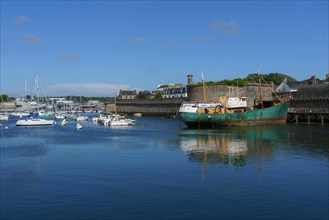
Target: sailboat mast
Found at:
x=260, y=88
x=25, y=93
x=36, y=87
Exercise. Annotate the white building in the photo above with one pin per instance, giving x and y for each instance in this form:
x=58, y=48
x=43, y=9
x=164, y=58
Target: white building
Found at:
x=171, y=91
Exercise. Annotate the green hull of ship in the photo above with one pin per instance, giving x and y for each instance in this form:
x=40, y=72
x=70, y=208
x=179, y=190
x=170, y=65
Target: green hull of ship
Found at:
x=273, y=115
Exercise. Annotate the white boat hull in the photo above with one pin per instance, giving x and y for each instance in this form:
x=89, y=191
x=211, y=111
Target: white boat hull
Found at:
x=4, y=117
x=34, y=122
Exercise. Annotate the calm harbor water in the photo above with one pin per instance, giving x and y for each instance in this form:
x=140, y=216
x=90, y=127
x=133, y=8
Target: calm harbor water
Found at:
x=157, y=169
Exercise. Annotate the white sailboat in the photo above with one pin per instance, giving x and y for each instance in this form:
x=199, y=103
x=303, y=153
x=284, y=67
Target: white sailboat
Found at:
x=35, y=121
x=3, y=116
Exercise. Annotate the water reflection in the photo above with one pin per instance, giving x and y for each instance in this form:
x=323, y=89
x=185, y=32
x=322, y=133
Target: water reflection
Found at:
x=231, y=145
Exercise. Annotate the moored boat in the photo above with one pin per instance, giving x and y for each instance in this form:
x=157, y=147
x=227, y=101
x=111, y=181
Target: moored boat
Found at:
x=211, y=117
x=34, y=122
x=117, y=120
x=4, y=117
x=20, y=114
x=233, y=111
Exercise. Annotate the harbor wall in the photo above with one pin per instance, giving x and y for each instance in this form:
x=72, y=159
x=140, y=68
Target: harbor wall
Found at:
x=213, y=92
x=169, y=107
x=149, y=107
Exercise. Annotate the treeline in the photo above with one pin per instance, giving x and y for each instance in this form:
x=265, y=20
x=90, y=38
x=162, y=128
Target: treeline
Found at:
x=84, y=99
x=275, y=78
x=5, y=98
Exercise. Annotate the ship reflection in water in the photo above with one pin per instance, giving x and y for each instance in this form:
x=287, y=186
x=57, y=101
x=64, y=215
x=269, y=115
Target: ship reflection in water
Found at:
x=214, y=148
x=232, y=145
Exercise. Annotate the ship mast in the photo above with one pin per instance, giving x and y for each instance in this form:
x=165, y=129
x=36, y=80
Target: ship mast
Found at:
x=203, y=87
x=260, y=88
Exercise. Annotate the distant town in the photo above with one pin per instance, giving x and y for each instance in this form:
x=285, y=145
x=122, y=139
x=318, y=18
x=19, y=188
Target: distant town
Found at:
x=282, y=84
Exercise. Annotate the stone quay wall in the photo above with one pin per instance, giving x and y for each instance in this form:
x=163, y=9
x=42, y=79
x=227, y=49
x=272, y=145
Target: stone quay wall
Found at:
x=169, y=107
x=149, y=107
x=213, y=92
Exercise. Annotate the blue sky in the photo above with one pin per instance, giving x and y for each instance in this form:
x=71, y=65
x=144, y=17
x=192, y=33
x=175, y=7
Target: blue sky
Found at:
x=96, y=48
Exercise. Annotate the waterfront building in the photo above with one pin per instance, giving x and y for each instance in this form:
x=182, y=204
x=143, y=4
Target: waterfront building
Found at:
x=127, y=94
x=171, y=91
x=146, y=94
x=288, y=87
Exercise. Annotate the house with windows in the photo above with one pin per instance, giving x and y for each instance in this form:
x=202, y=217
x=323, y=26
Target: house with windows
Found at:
x=127, y=94
x=171, y=91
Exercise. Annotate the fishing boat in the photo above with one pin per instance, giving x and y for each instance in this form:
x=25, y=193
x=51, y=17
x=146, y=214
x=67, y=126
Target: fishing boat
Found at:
x=34, y=122
x=232, y=111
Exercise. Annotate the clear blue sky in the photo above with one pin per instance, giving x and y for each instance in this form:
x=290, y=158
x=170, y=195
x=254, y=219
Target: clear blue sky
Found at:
x=96, y=48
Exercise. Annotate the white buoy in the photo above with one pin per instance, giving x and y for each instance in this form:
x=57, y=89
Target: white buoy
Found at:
x=63, y=122
x=79, y=126
x=6, y=127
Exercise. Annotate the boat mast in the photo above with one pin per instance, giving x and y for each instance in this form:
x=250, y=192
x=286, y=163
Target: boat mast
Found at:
x=36, y=88
x=260, y=88
x=25, y=93
x=203, y=87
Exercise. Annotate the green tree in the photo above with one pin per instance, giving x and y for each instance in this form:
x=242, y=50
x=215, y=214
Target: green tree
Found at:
x=276, y=78
x=158, y=96
x=238, y=82
x=141, y=96
x=4, y=98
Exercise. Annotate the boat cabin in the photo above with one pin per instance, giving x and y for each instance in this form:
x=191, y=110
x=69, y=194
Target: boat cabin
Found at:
x=237, y=102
